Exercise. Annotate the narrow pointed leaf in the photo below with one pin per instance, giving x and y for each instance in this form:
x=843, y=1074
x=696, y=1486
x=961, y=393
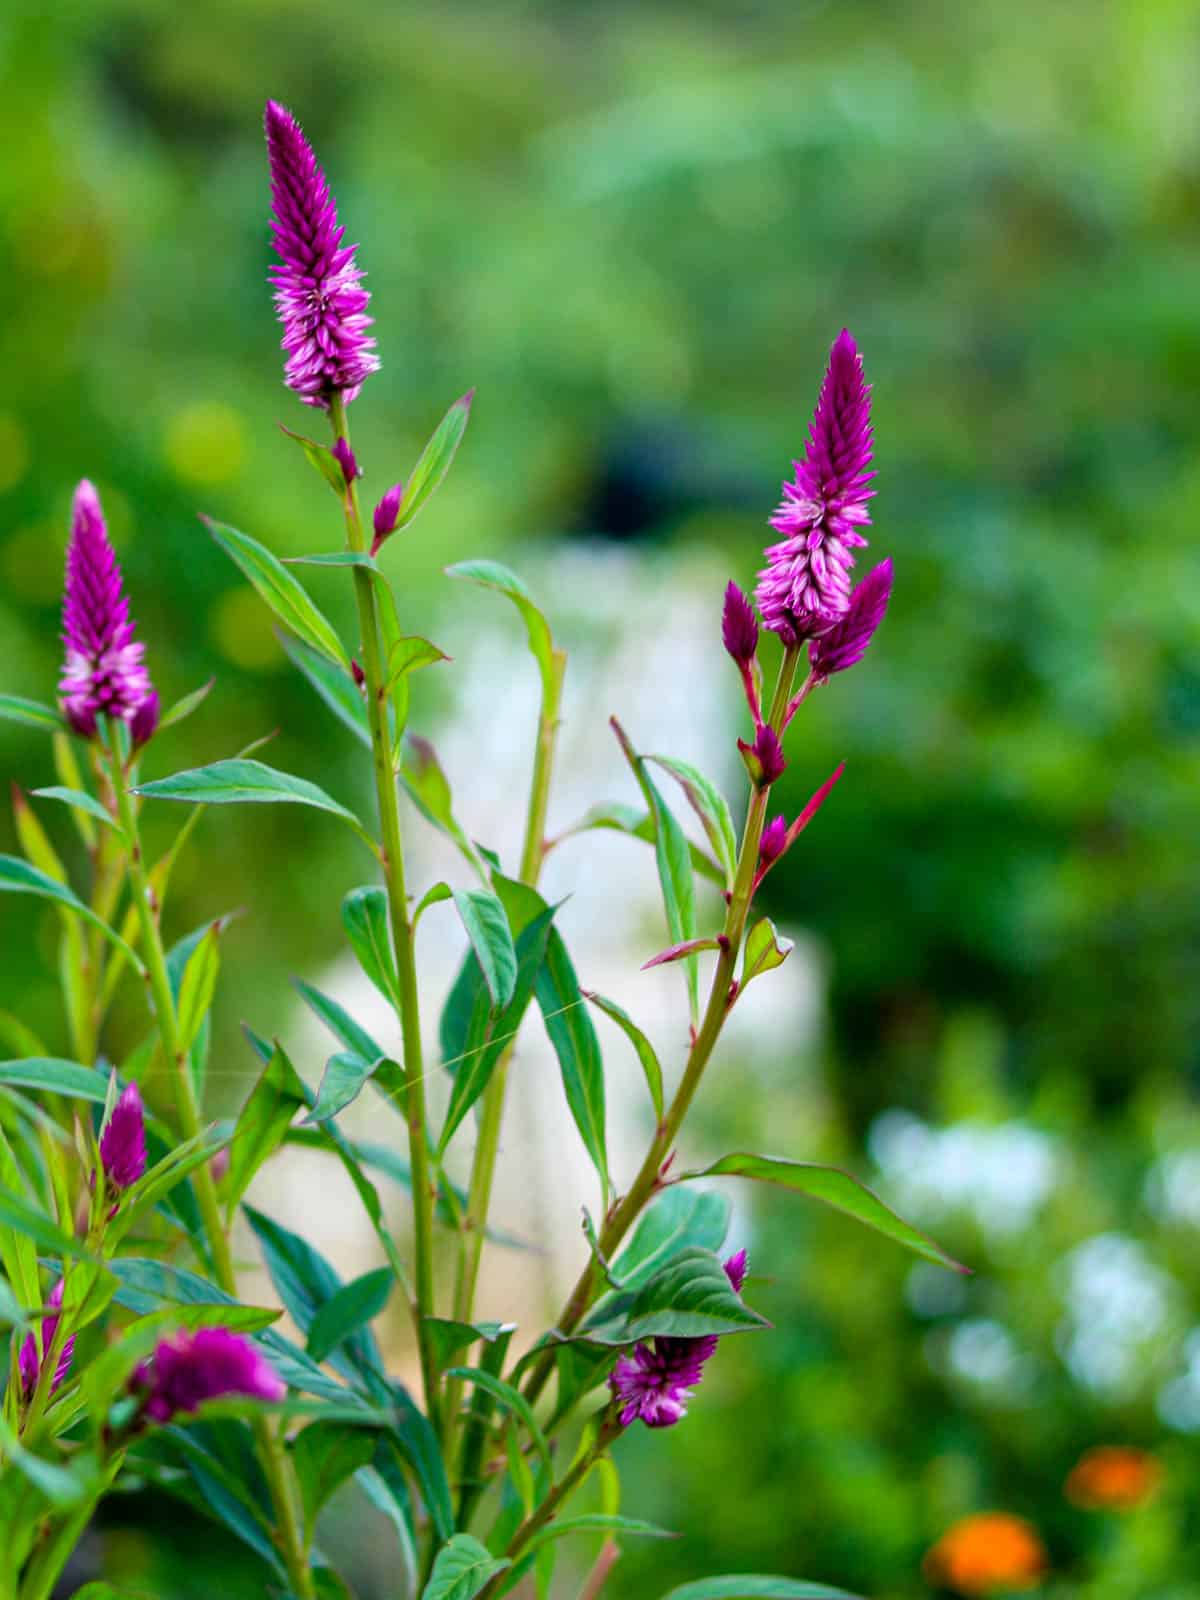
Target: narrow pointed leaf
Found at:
x=284, y=593
x=55, y=1076
x=755, y=1586
x=322, y=459
x=492, y=941
x=365, y=919
x=16, y=708
x=333, y=683
x=434, y=461
x=573, y=1036
x=598, y=1522
x=263, y=1123
x=80, y=800
x=679, y=952
x=709, y=804
x=651, y=1068
x=240, y=782
x=185, y=706
x=18, y=877
x=352, y=1307
x=492, y=575
x=511, y=1399
x=341, y=1084
x=324, y=1455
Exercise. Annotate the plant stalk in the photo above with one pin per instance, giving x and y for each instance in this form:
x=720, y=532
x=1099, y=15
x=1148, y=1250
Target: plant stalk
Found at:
x=715, y=1012
x=423, y=1190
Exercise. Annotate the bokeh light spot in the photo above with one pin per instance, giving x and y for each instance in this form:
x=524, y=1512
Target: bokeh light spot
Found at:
x=205, y=443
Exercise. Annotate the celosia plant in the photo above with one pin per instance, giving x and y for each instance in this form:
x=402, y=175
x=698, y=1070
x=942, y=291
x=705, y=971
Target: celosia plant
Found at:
x=120, y=1283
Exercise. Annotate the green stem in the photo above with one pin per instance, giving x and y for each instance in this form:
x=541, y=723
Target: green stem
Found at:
x=715, y=1012
x=487, y=1144
x=423, y=1190
x=270, y=1450
x=47, y=1565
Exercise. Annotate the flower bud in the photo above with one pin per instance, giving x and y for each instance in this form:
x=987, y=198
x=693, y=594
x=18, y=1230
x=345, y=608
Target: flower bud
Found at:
x=345, y=460
x=123, y=1142
x=773, y=842
x=739, y=626
x=386, y=515
x=764, y=758
x=846, y=644
x=145, y=718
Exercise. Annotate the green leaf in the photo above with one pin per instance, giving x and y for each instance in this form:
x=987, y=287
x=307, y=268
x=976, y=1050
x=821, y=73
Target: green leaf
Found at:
x=198, y=985
x=32, y=1225
x=384, y=1484
x=18, y=877
x=434, y=461
x=324, y=1455
x=18, y=1247
x=492, y=575
x=689, y=1298
x=448, y=1337
x=764, y=951
x=55, y=1077
x=639, y=825
x=492, y=941
x=418, y=1444
x=239, y=782
x=651, y=1068
x=80, y=800
x=835, y=1188
x=677, y=1220
x=709, y=804
x=463, y=1567
x=338, y=1020
x=598, y=1522
x=573, y=1036
x=146, y=1284
x=365, y=919
x=341, y=1084
x=262, y=1123
x=432, y=897
x=427, y=787
x=335, y=558
x=409, y=653
x=184, y=707
x=284, y=593
x=333, y=683
x=351, y=1308
x=322, y=458
x=15, y=708
x=512, y=1400
x=304, y=1281
x=674, y=865
x=99, y=1590
x=755, y=1586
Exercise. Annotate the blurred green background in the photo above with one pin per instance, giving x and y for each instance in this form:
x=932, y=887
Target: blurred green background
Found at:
x=636, y=228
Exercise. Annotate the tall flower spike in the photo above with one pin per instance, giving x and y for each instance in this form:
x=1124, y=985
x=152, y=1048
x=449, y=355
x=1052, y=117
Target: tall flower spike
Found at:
x=804, y=590
x=846, y=644
x=31, y=1359
x=318, y=289
x=190, y=1368
x=123, y=1142
x=103, y=674
x=656, y=1382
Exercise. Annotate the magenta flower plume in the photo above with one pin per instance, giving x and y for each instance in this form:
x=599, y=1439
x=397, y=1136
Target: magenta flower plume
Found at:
x=846, y=643
x=31, y=1358
x=739, y=626
x=103, y=674
x=656, y=1382
x=386, y=515
x=123, y=1142
x=318, y=289
x=804, y=590
x=190, y=1368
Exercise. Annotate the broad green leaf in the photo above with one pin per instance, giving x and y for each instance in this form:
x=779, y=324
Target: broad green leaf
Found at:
x=284, y=593
x=341, y=1084
x=835, y=1188
x=598, y=1522
x=709, y=804
x=304, y=1281
x=755, y=1586
x=407, y=654
x=434, y=461
x=16, y=708
x=262, y=1123
x=764, y=951
x=365, y=919
x=573, y=1036
x=448, y=1337
x=56, y=1077
x=492, y=941
x=198, y=985
x=492, y=575
x=645, y=1050
x=184, y=707
x=427, y=787
x=18, y=877
x=146, y=1284
x=239, y=782
x=324, y=1455
x=463, y=1567
x=351, y=1308
x=677, y=1220
x=333, y=683
x=689, y=1298
x=80, y=800
x=338, y=1020
x=419, y=1446
x=512, y=1400
x=322, y=458
x=674, y=865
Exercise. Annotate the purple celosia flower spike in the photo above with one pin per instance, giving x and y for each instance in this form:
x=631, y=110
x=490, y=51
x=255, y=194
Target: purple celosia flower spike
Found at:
x=31, y=1358
x=318, y=289
x=104, y=674
x=190, y=1368
x=846, y=644
x=739, y=626
x=805, y=588
x=123, y=1142
x=656, y=1382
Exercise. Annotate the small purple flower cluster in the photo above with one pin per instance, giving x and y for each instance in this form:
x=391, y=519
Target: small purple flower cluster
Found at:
x=189, y=1368
x=32, y=1357
x=123, y=1141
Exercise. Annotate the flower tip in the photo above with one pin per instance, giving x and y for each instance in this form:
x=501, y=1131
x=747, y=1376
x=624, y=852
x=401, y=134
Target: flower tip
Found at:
x=123, y=1142
x=468, y=399
x=739, y=626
